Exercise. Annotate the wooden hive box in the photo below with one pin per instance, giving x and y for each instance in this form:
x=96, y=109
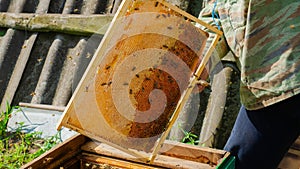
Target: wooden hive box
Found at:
x=80, y=152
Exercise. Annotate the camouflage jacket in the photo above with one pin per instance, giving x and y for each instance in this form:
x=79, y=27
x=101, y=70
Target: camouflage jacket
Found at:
x=265, y=37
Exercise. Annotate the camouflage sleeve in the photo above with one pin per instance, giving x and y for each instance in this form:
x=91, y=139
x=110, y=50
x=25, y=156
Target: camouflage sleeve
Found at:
x=265, y=37
x=264, y=34
x=270, y=56
x=222, y=49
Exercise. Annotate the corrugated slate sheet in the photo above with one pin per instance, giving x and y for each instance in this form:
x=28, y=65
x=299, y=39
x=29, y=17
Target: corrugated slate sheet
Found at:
x=45, y=67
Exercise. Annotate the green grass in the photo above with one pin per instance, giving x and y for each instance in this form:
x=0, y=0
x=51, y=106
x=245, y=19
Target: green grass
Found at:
x=18, y=148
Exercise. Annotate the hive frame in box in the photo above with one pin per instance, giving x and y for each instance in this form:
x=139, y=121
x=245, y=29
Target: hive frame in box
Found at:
x=70, y=119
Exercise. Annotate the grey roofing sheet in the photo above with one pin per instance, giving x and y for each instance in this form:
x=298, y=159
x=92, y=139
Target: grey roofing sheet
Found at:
x=45, y=68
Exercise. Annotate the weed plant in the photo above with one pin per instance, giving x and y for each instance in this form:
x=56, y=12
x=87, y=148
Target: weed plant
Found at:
x=18, y=148
x=189, y=138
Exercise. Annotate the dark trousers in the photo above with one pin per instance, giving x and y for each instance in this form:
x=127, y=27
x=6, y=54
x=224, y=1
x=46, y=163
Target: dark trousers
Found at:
x=260, y=138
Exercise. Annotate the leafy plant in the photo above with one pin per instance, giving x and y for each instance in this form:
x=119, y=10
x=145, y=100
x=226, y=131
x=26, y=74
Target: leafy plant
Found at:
x=4, y=117
x=18, y=148
x=189, y=138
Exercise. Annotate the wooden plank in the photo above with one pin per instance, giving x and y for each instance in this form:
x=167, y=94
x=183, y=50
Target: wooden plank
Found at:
x=58, y=155
x=161, y=162
x=296, y=144
x=43, y=106
x=64, y=23
x=193, y=153
x=112, y=162
x=291, y=160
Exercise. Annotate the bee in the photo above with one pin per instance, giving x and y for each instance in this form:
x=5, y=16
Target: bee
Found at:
x=40, y=60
